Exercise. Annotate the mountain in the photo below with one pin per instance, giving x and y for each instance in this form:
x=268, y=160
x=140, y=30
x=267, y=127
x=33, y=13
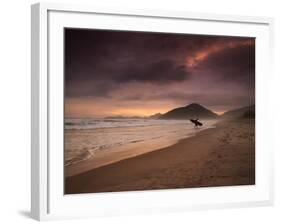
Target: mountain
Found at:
x=155, y=116
x=193, y=110
x=244, y=112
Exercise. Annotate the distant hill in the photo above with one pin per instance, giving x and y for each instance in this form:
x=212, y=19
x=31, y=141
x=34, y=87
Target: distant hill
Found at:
x=244, y=112
x=193, y=110
x=155, y=116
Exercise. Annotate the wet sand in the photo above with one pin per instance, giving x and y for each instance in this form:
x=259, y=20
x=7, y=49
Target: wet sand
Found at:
x=214, y=157
x=87, y=161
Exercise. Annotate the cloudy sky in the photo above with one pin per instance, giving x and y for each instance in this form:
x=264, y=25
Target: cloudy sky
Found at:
x=110, y=73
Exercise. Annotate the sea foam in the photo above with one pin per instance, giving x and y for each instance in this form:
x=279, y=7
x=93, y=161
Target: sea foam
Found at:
x=86, y=137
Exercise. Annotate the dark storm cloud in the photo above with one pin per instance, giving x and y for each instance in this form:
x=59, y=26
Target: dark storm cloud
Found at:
x=157, y=70
x=99, y=61
x=160, y=71
x=94, y=54
x=232, y=65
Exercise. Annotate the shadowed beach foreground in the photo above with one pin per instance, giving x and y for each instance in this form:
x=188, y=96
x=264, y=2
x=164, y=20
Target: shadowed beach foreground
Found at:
x=222, y=156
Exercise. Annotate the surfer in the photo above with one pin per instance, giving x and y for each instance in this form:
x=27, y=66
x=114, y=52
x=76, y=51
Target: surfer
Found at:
x=196, y=122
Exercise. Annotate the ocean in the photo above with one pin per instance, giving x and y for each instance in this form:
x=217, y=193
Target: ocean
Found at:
x=87, y=138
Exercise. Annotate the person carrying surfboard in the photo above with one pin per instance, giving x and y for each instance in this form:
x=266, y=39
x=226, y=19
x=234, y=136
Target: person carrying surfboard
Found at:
x=196, y=122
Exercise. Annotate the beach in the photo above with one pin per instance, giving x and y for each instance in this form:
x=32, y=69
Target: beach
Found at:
x=92, y=143
x=221, y=156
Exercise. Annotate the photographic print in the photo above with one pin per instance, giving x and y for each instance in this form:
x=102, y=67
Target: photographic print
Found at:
x=151, y=111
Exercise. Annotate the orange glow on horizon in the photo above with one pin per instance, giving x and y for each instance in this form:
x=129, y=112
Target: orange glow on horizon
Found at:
x=138, y=112
x=86, y=108
x=219, y=112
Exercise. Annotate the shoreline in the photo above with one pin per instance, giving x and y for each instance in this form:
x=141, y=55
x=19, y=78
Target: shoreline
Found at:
x=221, y=156
x=120, y=153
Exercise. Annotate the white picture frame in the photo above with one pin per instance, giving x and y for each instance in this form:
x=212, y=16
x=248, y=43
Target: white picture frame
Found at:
x=48, y=201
